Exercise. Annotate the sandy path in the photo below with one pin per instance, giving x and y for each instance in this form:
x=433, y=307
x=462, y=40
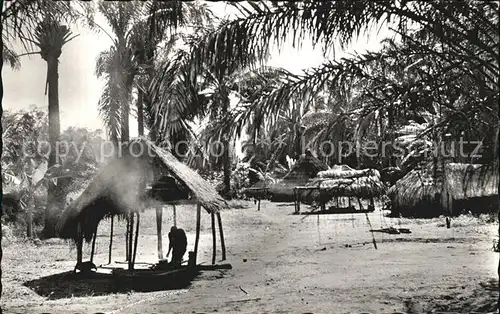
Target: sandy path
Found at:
x=297, y=264
x=287, y=272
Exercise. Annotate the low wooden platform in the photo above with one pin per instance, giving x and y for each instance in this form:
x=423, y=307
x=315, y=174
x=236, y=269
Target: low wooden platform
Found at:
x=258, y=193
x=297, y=190
x=336, y=210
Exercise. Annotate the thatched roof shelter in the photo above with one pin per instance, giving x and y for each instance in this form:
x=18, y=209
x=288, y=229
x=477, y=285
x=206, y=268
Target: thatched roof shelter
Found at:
x=346, y=172
x=464, y=187
x=417, y=194
x=343, y=181
x=471, y=187
x=306, y=168
x=117, y=189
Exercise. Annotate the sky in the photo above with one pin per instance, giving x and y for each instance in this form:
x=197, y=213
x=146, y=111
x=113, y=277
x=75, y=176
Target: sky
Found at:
x=80, y=89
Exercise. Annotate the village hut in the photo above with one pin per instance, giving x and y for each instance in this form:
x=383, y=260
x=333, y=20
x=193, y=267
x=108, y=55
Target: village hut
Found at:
x=306, y=168
x=470, y=188
x=391, y=175
x=417, y=194
x=119, y=190
x=343, y=181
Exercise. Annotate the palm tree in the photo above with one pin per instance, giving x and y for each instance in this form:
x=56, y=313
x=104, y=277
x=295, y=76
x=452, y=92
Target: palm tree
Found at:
x=20, y=18
x=189, y=88
x=118, y=67
x=50, y=36
x=40, y=25
x=165, y=22
x=460, y=33
x=138, y=29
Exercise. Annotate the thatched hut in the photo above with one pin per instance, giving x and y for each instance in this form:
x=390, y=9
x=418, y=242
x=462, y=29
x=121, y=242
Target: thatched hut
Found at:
x=470, y=187
x=306, y=168
x=391, y=175
x=343, y=181
x=119, y=189
x=417, y=194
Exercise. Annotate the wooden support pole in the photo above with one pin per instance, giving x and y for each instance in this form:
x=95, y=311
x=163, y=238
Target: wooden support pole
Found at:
x=294, y=201
x=221, y=234
x=214, y=240
x=297, y=200
x=371, y=207
x=159, y=222
x=360, y=204
x=197, y=239
x=175, y=215
x=29, y=221
x=131, y=242
x=79, y=245
x=111, y=239
x=93, y=245
x=126, y=239
x=449, y=204
x=258, y=205
x=136, y=238
x=79, y=251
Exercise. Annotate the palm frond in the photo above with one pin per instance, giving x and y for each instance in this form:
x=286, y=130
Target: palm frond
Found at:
x=104, y=62
x=22, y=17
x=110, y=110
x=10, y=57
x=249, y=38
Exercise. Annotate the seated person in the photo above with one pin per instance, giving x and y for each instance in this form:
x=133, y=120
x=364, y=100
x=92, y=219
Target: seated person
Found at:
x=178, y=243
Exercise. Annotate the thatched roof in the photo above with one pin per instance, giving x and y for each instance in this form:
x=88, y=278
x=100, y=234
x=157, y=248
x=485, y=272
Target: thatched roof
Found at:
x=391, y=175
x=463, y=181
x=116, y=189
x=305, y=169
x=346, y=172
x=416, y=194
x=342, y=180
x=202, y=190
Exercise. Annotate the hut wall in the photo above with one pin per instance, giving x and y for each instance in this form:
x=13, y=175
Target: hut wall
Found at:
x=476, y=205
x=469, y=189
x=428, y=206
x=417, y=195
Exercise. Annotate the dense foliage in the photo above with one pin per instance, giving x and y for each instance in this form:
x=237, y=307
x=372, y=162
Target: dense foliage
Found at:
x=25, y=172
x=199, y=79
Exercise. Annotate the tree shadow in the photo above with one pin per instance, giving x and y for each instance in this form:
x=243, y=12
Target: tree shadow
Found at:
x=69, y=284
x=482, y=299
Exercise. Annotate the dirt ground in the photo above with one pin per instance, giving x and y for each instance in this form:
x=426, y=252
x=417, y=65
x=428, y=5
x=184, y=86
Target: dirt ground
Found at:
x=282, y=263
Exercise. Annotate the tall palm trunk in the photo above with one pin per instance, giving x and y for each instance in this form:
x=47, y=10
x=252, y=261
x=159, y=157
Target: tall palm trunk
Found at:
x=29, y=218
x=125, y=130
x=115, y=94
x=125, y=111
x=226, y=155
x=298, y=142
x=140, y=113
x=1, y=145
x=54, y=197
x=226, y=164
x=390, y=125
